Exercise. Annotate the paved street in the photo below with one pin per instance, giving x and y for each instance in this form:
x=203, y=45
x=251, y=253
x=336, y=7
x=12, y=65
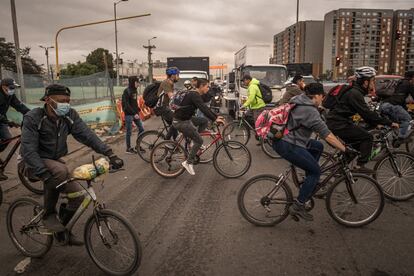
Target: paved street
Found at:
x=191, y=226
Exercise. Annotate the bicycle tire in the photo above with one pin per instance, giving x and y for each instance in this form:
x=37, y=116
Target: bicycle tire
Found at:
x=389, y=191
x=155, y=159
x=147, y=146
x=267, y=148
x=91, y=222
x=207, y=156
x=28, y=184
x=354, y=224
x=226, y=147
x=241, y=202
x=12, y=232
x=1, y=195
x=236, y=131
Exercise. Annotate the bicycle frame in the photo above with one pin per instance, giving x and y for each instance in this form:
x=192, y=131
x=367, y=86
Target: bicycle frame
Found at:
x=12, y=151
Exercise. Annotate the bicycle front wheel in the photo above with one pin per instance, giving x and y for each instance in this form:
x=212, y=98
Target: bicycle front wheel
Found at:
x=263, y=201
x=166, y=159
x=267, y=148
x=146, y=141
x=232, y=159
x=25, y=228
x=368, y=204
x=112, y=243
x=395, y=174
x=236, y=131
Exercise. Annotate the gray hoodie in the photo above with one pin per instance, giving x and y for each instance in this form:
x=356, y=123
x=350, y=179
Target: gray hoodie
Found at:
x=307, y=116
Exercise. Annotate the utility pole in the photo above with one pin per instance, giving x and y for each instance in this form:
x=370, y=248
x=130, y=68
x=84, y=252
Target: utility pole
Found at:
x=116, y=42
x=17, y=50
x=150, y=47
x=297, y=11
x=47, y=59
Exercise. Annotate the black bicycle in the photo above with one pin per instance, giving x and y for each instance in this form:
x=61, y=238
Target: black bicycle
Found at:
x=353, y=200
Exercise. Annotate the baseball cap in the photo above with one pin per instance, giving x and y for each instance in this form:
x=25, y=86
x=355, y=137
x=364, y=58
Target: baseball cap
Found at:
x=9, y=82
x=56, y=89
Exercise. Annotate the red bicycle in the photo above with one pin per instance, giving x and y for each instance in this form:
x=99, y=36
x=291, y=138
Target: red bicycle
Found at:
x=231, y=159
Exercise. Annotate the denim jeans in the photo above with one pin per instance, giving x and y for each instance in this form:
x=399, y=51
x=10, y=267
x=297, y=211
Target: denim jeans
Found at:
x=190, y=129
x=306, y=159
x=4, y=135
x=128, y=125
x=398, y=114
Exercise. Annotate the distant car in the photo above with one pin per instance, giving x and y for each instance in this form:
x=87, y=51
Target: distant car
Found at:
x=308, y=79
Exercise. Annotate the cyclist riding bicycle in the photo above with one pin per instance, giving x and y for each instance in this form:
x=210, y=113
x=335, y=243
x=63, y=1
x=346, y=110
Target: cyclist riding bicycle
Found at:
x=7, y=99
x=301, y=151
x=254, y=102
x=339, y=119
x=189, y=125
x=43, y=144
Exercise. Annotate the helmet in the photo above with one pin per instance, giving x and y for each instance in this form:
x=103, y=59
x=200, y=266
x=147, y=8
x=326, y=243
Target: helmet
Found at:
x=365, y=72
x=187, y=84
x=172, y=71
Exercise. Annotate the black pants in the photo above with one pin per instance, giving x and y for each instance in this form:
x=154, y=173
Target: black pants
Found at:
x=167, y=115
x=358, y=138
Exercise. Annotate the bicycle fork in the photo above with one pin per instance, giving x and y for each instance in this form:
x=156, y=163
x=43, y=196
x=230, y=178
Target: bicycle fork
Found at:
x=99, y=227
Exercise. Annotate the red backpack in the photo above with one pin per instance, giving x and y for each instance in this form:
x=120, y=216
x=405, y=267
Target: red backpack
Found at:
x=272, y=123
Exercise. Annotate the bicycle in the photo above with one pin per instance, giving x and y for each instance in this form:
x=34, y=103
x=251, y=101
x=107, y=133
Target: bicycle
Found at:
x=240, y=129
x=170, y=154
x=30, y=185
x=102, y=232
x=394, y=169
x=353, y=200
x=149, y=138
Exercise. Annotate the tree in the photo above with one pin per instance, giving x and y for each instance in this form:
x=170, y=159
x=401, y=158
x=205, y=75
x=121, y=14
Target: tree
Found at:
x=79, y=69
x=8, y=59
x=96, y=57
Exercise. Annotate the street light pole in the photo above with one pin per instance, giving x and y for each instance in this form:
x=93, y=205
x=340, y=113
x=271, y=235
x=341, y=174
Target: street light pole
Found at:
x=150, y=47
x=116, y=42
x=297, y=11
x=17, y=50
x=47, y=58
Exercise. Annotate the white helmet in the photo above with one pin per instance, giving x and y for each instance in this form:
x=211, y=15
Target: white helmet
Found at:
x=188, y=84
x=365, y=72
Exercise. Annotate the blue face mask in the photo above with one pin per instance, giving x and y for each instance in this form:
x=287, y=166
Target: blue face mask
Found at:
x=61, y=108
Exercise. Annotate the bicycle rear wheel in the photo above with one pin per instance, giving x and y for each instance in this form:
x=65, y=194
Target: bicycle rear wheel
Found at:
x=267, y=148
x=147, y=140
x=236, y=131
x=367, y=208
x=166, y=159
x=232, y=159
x=25, y=228
x=395, y=174
x=263, y=203
x=112, y=243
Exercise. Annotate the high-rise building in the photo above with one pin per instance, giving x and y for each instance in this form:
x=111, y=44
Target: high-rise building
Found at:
x=357, y=37
x=403, y=59
x=300, y=43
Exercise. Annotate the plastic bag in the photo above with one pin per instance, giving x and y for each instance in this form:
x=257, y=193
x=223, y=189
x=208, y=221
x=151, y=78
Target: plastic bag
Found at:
x=88, y=171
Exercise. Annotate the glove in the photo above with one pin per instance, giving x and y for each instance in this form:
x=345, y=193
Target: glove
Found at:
x=12, y=124
x=116, y=162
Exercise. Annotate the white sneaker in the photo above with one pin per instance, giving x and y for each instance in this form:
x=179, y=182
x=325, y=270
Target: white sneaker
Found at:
x=188, y=167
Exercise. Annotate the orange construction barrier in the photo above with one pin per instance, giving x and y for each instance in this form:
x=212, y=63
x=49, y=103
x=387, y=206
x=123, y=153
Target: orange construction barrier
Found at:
x=145, y=110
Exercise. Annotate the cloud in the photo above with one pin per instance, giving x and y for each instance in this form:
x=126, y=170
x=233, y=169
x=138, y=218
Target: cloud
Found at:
x=215, y=28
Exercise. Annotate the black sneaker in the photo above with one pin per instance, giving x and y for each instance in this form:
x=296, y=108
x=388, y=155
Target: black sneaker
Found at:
x=140, y=150
x=298, y=210
x=131, y=151
x=363, y=169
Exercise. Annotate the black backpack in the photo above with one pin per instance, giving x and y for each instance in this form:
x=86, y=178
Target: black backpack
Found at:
x=386, y=88
x=334, y=95
x=266, y=91
x=150, y=94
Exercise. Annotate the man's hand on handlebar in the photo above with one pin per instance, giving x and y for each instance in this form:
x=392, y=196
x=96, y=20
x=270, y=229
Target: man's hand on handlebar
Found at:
x=115, y=162
x=220, y=120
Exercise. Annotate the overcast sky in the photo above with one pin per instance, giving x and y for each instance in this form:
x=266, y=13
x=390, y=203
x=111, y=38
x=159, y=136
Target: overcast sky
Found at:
x=215, y=28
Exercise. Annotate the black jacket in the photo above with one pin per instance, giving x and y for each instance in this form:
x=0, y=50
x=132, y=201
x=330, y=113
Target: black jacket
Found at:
x=351, y=103
x=129, y=101
x=42, y=137
x=6, y=101
x=402, y=91
x=190, y=104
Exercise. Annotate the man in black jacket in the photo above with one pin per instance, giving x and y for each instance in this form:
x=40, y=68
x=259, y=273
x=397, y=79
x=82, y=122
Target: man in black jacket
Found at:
x=7, y=99
x=131, y=111
x=339, y=119
x=43, y=144
x=396, y=107
x=185, y=122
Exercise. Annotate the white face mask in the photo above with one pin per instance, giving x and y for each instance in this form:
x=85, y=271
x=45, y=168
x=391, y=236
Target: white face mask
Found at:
x=11, y=92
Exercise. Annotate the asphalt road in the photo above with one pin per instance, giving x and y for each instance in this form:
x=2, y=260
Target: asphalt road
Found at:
x=191, y=226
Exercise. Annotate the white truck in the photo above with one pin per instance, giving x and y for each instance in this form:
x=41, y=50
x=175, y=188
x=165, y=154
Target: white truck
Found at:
x=253, y=60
